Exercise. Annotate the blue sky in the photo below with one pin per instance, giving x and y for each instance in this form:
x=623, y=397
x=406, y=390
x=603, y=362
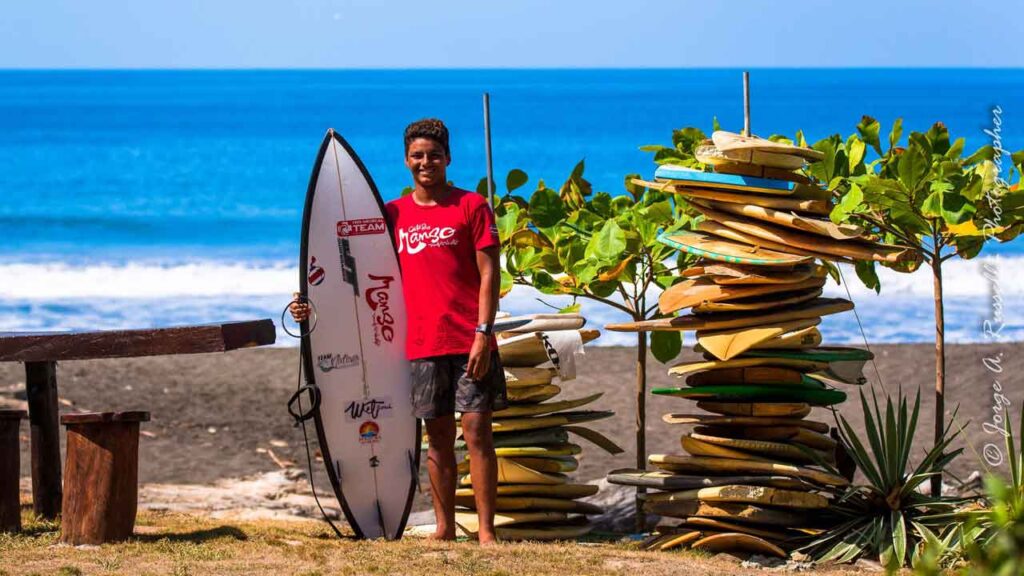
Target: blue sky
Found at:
x=512, y=33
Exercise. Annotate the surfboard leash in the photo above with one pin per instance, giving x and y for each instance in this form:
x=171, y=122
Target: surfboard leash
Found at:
x=298, y=415
x=863, y=335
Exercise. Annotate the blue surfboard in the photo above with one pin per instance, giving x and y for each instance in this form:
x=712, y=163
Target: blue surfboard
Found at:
x=724, y=181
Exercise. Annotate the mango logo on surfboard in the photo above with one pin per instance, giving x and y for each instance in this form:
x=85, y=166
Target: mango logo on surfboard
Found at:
x=369, y=432
x=361, y=227
x=379, y=299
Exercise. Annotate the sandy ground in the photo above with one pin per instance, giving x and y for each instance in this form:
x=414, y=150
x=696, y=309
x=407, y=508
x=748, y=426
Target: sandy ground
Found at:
x=222, y=416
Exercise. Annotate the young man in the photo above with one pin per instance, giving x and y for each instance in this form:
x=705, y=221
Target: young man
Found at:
x=448, y=251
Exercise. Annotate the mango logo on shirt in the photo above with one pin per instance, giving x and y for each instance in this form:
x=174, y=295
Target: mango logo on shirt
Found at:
x=414, y=239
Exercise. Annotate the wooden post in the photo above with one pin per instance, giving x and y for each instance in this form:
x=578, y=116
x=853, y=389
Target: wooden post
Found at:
x=746, y=103
x=641, y=424
x=41, y=384
x=101, y=492
x=10, y=469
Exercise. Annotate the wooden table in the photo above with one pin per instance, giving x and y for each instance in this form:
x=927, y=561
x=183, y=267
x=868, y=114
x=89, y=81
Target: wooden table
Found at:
x=40, y=351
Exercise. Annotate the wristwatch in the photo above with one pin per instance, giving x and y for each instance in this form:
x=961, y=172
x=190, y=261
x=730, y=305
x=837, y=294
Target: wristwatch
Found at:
x=486, y=329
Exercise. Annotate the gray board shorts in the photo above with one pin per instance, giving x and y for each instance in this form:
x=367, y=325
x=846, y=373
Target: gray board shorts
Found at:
x=440, y=386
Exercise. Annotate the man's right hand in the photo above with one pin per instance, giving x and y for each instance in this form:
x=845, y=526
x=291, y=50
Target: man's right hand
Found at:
x=299, y=309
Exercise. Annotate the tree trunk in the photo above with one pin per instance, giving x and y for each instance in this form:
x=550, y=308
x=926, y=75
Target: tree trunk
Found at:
x=641, y=422
x=940, y=365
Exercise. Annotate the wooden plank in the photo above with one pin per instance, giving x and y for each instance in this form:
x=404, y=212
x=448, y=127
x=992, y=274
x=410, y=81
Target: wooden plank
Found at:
x=41, y=384
x=51, y=346
x=10, y=470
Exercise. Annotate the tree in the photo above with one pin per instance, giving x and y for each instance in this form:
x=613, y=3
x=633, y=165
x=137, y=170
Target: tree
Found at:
x=925, y=195
x=598, y=247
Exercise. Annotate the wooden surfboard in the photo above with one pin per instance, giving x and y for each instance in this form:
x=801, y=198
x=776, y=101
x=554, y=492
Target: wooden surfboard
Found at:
x=736, y=274
x=701, y=290
x=764, y=375
x=356, y=355
x=759, y=303
x=762, y=172
x=767, y=409
x=853, y=249
x=745, y=421
x=538, y=323
x=675, y=463
x=518, y=411
x=811, y=206
x=813, y=309
x=728, y=141
x=710, y=154
x=819, y=226
x=717, y=229
x=760, y=495
x=568, y=491
x=527, y=350
x=726, y=251
x=527, y=377
x=726, y=344
x=733, y=541
x=669, y=481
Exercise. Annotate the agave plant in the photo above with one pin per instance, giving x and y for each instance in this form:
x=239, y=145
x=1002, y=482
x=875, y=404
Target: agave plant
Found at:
x=998, y=548
x=882, y=517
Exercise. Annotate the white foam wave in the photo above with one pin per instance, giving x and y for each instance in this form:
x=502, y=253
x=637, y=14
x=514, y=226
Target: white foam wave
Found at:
x=60, y=296
x=47, y=281
x=60, y=280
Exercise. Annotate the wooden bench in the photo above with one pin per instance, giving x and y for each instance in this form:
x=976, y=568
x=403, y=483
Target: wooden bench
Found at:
x=40, y=351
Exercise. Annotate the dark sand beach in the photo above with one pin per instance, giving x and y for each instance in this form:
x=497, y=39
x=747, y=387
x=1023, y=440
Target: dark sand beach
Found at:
x=223, y=415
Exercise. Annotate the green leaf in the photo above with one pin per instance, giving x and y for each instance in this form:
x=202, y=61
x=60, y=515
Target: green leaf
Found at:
x=715, y=126
x=896, y=133
x=938, y=138
x=849, y=204
x=481, y=187
x=866, y=272
x=653, y=148
x=666, y=345
x=546, y=208
x=869, y=129
x=601, y=204
x=899, y=538
x=515, y=179
x=986, y=152
x=855, y=150
x=543, y=282
x=913, y=166
x=635, y=190
x=571, y=309
x=406, y=191
x=608, y=244
x=508, y=222
x=506, y=282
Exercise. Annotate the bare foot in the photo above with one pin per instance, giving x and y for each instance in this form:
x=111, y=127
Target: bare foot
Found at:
x=488, y=539
x=442, y=536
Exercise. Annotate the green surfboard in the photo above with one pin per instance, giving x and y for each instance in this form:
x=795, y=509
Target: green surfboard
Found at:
x=745, y=393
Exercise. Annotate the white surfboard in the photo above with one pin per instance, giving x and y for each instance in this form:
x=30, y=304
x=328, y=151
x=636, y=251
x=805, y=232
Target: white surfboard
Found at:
x=368, y=435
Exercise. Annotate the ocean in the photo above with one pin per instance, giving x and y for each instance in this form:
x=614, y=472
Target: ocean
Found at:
x=133, y=199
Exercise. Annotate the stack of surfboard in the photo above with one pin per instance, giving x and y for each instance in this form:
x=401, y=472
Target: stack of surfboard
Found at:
x=533, y=437
x=754, y=467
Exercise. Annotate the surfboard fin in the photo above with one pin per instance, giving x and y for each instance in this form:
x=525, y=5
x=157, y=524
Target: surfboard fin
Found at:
x=380, y=519
x=414, y=471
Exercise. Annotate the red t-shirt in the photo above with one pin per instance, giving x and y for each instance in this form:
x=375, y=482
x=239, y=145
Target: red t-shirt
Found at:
x=437, y=248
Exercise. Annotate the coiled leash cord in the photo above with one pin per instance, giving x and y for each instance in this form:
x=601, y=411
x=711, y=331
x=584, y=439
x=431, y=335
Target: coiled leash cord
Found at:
x=295, y=402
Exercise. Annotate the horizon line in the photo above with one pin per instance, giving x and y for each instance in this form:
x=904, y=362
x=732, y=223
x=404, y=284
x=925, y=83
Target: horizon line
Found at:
x=487, y=69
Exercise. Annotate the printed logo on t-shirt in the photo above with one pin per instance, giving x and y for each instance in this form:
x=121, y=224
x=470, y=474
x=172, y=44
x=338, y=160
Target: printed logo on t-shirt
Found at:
x=414, y=239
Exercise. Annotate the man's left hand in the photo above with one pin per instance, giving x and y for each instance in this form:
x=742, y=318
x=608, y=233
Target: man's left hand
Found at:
x=479, y=357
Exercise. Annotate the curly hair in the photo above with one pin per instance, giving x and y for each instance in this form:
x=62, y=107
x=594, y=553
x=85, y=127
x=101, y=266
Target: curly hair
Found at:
x=429, y=128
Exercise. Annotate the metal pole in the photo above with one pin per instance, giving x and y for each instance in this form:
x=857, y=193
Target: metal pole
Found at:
x=487, y=148
x=746, y=103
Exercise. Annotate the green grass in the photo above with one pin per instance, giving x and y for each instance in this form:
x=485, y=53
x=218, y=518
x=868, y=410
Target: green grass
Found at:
x=180, y=545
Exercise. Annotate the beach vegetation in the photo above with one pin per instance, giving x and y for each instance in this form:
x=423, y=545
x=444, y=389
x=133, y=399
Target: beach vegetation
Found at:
x=925, y=193
x=888, y=516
